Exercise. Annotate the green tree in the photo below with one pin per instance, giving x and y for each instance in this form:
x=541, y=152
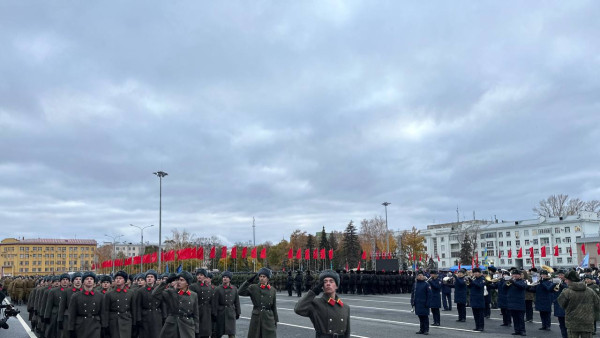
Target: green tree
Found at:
x=351, y=245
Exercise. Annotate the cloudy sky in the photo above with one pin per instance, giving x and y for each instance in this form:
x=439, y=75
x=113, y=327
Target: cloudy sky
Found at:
x=300, y=114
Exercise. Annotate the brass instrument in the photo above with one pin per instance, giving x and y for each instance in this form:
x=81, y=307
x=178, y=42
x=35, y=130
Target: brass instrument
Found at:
x=547, y=268
x=468, y=280
x=557, y=288
x=491, y=280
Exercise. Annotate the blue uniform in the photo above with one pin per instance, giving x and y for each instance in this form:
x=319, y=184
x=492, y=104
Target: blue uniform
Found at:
x=421, y=300
x=559, y=312
x=436, y=299
x=516, y=304
x=477, y=299
x=503, y=303
x=447, y=296
x=544, y=296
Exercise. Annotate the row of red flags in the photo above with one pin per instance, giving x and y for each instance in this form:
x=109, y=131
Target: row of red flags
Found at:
x=543, y=252
x=320, y=254
x=183, y=254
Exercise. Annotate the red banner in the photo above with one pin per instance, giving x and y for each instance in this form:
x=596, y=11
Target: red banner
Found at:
x=224, y=252
x=169, y=256
x=118, y=262
x=299, y=254
x=316, y=253
x=520, y=253
x=543, y=251
x=364, y=255
x=531, y=252
x=154, y=257
x=291, y=253
x=146, y=259
x=307, y=254
x=234, y=252
x=556, y=250
x=244, y=252
x=509, y=253
x=129, y=261
x=200, y=253
x=570, y=251
x=137, y=260
x=263, y=253
x=213, y=253
x=253, y=253
x=583, y=248
x=322, y=253
x=330, y=253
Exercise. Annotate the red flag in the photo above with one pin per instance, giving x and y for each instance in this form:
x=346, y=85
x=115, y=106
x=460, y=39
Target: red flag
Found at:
x=377, y=255
x=520, y=253
x=570, y=251
x=213, y=253
x=347, y=266
x=200, y=253
x=477, y=259
x=244, y=252
x=364, y=255
x=509, y=253
x=170, y=256
x=458, y=265
x=263, y=253
x=192, y=253
x=419, y=258
x=330, y=253
x=556, y=250
x=299, y=254
x=117, y=262
x=531, y=252
x=253, y=253
x=137, y=260
x=322, y=253
x=316, y=253
x=93, y=266
x=224, y=252
x=291, y=253
x=180, y=254
x=358, y=267
x=154, y=257
x=146, y=259
x=472, y=262
x=543, y=251
x=307, y=254
x=499, y=254
x=438, y=257
x=598, y=248
x=583, y=248
x=234, y=252
x=128, y=261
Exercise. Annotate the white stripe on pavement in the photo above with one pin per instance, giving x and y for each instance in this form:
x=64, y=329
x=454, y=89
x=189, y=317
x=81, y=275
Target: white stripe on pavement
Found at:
x=302, y=327
x=26, y=327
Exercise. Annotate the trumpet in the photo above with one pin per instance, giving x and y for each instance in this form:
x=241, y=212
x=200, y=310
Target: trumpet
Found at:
x=468, y=280
x=491, y=280
x=557, y=287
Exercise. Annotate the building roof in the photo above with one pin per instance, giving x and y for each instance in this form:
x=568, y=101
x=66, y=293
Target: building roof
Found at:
x=54, y=241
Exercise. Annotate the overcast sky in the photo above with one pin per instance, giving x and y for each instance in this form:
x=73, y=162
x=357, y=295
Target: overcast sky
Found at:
x=300, y=114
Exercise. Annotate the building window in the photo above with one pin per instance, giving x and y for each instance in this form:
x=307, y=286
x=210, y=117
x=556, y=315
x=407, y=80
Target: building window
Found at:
x=559, y=260
x=557, y=240
x=508, y=243
x=502, y=261
x=545, y=231
x=528, y=261
x=501, y=243
x=442, y=240
x=483, y=245
x=536, y=251
x=518, y=242
x=567, y=240
x=490, y=244
x=557, y=230
x=535, y=241
x=527, y=242
x=567, y=229
x=510, y=261
x=525, y=232
x=443, y=255
x=500, y=234
x=516, y=234
x=569, y=260
x=544, y=240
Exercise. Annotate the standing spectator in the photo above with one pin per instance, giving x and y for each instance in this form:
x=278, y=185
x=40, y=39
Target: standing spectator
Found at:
x=421, y=300
x=581, y=305
x=436, y=299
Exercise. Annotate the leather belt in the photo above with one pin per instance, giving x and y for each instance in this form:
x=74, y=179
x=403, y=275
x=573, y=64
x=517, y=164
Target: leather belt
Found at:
x=329, y=335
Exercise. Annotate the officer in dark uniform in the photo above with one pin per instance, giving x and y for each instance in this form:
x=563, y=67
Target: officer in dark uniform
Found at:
x=85, y=308
x=263, y=322
x=308, y=282
x=290, y=284
x=420, y=299
x=226, y=306
x=447, y=286
x=328, y=314
x=352, y=282
x=516, y=301
x=476, y=285
x=544, y=296
x=559, y=312
x=298, y=280
x=436, y=297
x=205, y=294
x=117, y=316
x=503, y=300
x=460, y=295
x=105, y=282
x=345, y=280
x=54, y=328
x=148, y=315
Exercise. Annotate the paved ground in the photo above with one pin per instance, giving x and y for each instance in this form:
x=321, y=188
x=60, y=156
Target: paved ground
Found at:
x=371, y=316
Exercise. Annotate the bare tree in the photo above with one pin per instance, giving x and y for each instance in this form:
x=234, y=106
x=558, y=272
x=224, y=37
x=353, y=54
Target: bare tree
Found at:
x=179, y=240
x=553, y=206
x=593, y=206
x=574, y=206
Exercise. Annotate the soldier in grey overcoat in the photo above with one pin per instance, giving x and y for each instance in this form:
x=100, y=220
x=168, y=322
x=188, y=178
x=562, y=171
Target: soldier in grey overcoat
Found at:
x=263, y=323
x=226, y=307
x=85, y=308
x=117, y=316
x=53, y=301
x=205, y=294
x=181, y=306
x=148, y=314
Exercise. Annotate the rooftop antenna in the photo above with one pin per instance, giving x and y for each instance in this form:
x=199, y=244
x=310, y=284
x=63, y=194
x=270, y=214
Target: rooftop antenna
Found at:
x=253, y=232
x=457, y=215
x=473, y=214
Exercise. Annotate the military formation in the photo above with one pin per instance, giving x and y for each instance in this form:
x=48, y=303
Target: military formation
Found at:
x=573, y=297
x=173, y=305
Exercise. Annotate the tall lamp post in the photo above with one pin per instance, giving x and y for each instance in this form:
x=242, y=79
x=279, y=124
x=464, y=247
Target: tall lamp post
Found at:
x=114, y=238
x=387, y=231
x=142, y=246
x=160, y=175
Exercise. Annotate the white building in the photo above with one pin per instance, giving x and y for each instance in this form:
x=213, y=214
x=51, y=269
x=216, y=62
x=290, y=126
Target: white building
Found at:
x=497, y=238
x=128, y=249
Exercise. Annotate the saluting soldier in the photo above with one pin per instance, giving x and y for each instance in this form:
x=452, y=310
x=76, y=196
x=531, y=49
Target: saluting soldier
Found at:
x=263, y=323
x=329, y=315
x=54, y=327
x=226, y=306
x=181, y=306
x=148, y=315
x=85, y=308
x=117, y=317
x=205, y=294
x=420, y=299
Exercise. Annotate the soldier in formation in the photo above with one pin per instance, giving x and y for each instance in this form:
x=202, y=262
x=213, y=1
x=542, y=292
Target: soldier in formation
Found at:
x=263, y=322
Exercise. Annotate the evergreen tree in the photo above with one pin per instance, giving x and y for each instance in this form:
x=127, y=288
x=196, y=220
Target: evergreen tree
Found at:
x=351, y=245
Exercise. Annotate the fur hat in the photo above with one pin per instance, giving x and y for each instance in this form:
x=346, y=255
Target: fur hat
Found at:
x=75, y=275
x=227, y=274
x=140, y=276
x=544, y=272
x=463, y=270
x=151, y=272
x=515, y=272
x=201, y=272
x=572, y=276
x=187, y=276
x=265, y=271
x=476, y=270
x=433, y=272
x=89, y=274
x=105, y=278
x=331, y=274
x=121, y=273
x=64, y=276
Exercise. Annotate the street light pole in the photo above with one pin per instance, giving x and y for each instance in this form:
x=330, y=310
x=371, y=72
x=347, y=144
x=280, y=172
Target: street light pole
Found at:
x=142, y=246
x=114, y=238
x=387, y=231
x=160, y=175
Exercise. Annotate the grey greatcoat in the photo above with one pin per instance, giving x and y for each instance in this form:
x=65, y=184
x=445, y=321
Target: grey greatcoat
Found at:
x=148, y=313
x=55, y=296
x=63, y=309
x=205, y=294
x=117, y=314
x=226, y=308
x=263, y=322
x=328, y=317
x=85, y=309
x=182, y=312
